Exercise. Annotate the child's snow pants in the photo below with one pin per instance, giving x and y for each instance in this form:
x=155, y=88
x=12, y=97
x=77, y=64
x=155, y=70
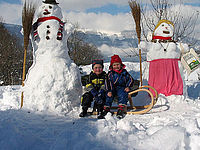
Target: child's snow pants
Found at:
x=121, y=94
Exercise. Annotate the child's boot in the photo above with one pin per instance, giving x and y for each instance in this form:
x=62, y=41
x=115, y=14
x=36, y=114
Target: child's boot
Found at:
x=100, y=111
x=122, y=110
x=84, y=112
x=102, y=115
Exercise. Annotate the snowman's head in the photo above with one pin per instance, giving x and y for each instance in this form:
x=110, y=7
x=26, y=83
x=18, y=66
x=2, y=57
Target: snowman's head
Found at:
x=46, y=10
x=164, y=28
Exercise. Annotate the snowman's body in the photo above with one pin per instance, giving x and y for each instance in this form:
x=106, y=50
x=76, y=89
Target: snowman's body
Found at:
x=162, y=51
x=53, y=82
x=48, y=29
x=163, y=55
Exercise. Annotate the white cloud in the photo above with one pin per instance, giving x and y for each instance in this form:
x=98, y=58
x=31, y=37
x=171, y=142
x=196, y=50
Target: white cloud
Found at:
x=11, y=13
x=102, y=22
x=81, y=5
x=105, y=22
x=191, y=1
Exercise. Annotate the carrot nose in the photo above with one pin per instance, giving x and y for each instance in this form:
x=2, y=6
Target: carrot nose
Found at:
x=46, y=10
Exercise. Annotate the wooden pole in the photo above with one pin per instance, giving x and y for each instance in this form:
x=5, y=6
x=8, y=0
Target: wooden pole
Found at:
x=136, y=13
x=27, y=20
x=23, y=75
x=140, y=55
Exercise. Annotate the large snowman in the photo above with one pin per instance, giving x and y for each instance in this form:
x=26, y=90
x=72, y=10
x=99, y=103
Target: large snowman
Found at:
x=166, y=73
x=53, y=81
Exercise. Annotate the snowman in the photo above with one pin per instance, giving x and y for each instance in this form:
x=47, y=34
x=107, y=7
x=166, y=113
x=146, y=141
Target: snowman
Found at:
x=165, y=73
x=53, y=81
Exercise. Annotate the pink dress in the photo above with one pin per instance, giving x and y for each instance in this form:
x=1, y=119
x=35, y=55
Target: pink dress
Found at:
x=165, y=77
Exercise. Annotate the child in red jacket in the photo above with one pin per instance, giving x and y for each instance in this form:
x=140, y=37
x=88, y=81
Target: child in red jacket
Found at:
x=118, y=83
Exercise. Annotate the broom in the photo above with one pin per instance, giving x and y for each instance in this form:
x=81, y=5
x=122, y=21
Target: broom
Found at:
x=27, y=20
x=136, y=13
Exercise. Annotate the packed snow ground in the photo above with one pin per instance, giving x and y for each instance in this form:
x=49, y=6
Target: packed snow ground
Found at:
x=174, y=123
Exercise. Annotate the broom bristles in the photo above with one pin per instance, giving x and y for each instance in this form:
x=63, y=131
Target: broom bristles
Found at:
x=27, y=20
x=136, y=13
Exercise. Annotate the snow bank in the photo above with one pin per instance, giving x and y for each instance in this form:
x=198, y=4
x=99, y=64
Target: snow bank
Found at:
x=173, y=123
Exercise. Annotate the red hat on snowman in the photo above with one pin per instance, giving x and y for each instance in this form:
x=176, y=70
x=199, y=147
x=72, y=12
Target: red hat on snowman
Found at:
x=116, y=59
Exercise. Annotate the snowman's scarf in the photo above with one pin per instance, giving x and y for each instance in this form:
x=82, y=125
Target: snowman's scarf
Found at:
x=35, y=26
x=161, y=38
x=165, y=77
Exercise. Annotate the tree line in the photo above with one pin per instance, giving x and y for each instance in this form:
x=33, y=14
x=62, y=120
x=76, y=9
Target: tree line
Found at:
x=11, y=57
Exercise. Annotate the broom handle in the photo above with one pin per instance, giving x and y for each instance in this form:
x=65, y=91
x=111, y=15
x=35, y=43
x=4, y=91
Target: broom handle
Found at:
x=140, y=55
x=23, y=76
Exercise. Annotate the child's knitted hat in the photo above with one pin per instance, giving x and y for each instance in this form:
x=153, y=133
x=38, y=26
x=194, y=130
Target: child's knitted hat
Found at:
x=115, y=59
x=97, y=61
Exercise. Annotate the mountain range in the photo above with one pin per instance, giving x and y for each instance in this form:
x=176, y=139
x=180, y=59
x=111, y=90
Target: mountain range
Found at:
x=123, y=44
x=120, y=42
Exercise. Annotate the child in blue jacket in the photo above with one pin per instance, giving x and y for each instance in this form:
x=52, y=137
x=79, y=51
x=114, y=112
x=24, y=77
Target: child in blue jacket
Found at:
x=118, y=83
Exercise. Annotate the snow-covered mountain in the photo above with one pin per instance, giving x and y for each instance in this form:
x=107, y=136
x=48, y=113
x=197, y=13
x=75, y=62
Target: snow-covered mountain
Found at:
x=121, y=44
x=97, y=38
x=122, y=40
x=15, y=30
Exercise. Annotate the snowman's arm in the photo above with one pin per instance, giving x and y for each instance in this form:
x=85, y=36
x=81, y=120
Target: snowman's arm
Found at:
x=30, y=36
x=183, y=47
x=69, y=28
x=143, y=46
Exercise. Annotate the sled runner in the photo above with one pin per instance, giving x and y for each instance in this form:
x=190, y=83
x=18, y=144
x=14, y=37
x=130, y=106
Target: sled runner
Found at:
x=134, y=109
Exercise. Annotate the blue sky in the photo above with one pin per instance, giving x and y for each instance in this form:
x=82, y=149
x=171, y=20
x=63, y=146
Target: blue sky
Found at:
x=109, y=7
x=105, y=15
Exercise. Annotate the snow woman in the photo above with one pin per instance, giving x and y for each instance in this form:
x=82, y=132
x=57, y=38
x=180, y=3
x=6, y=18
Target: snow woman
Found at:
x=163, y=54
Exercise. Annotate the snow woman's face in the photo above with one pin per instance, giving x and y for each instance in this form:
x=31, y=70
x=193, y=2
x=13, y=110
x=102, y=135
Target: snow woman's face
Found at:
x=165, y=30
x=46, y=10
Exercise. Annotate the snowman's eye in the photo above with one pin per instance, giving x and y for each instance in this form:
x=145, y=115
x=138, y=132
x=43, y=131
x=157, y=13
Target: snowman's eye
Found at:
x=163, y=25
x=43, y=6
x=50, y=7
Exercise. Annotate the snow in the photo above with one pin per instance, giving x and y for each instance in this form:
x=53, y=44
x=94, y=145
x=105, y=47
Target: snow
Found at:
x=173, y=123
x=50, y=116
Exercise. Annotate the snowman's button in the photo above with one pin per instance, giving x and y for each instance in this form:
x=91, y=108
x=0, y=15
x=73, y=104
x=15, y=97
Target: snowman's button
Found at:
x=48, y=26
x=48, y=32
x=47, y=37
